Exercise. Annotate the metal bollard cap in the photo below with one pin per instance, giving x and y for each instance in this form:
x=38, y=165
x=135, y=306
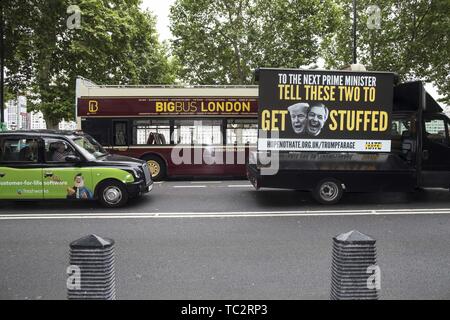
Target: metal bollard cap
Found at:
x=92, y=242
x=354, y=237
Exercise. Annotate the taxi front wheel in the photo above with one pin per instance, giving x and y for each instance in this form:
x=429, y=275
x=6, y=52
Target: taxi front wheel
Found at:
x=112, y=194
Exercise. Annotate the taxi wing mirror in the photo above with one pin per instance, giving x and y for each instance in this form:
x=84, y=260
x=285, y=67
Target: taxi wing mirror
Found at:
x=73, y=159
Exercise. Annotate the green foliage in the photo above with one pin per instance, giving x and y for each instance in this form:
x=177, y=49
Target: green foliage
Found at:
x=216, y=42
x=224, y=41
x=117, y=43
x=413, y=40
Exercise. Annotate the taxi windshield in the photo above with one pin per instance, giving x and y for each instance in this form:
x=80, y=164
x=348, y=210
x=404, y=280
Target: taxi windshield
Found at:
x=91, y=146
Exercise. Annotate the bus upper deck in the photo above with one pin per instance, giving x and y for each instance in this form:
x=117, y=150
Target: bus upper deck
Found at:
x=179, y=130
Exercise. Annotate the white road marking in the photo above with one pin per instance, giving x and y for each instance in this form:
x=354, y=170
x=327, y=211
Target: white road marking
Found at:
x=231, y=214
x=207, y=182
x=239, y=186
x=189, y=186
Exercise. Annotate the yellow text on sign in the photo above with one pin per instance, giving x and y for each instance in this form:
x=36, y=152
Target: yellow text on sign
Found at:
x=93, y=106
x=273, y=120
x=289, y=92
x=358, y=120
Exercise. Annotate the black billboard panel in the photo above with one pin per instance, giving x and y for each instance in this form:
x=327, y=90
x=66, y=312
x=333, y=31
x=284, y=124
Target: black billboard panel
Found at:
x=316, y=110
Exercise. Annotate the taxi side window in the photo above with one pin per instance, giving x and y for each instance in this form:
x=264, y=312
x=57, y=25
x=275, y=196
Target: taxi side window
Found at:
x=19, y=150
x=56, y=150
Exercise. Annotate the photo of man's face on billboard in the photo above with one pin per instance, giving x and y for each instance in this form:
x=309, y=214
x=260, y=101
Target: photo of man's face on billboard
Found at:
x=299, y=114
x=317, y=116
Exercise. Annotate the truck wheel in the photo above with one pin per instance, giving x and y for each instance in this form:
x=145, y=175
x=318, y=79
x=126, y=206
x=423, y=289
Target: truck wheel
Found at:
x=157, y=167
x=112, y=194
x=328, y=191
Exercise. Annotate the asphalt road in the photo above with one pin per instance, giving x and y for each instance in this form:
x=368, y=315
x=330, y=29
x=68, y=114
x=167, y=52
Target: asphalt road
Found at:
x=237, y=196
x=224, y=240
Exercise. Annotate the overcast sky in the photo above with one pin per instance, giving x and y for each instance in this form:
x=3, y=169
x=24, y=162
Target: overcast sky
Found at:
x=161, y=9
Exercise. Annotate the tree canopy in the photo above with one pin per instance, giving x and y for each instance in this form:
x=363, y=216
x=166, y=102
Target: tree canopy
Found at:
x=215, y=42
x=115, y=43
x=412, y=40
x=223, y=41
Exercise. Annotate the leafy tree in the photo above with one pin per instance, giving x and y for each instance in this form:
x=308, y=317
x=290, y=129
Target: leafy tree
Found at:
x=413, y=40
x=116, y=43
x=223, y=41
x=17, y=16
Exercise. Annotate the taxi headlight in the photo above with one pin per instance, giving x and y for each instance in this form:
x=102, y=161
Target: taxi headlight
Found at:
x=137, y=174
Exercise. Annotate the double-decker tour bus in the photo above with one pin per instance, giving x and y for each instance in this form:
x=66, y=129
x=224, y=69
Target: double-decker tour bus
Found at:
x=178, y=130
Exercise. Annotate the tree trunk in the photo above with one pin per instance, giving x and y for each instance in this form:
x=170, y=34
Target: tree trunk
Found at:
x=51, y=123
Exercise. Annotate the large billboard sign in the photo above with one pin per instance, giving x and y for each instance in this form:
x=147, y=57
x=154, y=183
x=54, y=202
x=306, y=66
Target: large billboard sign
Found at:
x=309, y=110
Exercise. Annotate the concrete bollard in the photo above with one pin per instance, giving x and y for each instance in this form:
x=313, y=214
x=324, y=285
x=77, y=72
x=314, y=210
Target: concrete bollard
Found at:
x=92, y=260
x=354, y=260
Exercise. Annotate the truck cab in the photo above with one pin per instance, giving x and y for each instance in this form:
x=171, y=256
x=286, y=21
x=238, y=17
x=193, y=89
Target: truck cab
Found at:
x=426, y=143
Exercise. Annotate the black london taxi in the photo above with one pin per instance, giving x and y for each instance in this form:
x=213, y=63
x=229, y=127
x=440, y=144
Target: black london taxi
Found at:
x=52, y=164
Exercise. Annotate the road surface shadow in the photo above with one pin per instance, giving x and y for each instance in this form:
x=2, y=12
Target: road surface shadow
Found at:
x=297, y=200
x=62, y=206
x=243, y=200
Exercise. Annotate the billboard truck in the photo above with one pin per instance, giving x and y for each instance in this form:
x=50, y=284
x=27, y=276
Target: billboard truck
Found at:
x=336, y=131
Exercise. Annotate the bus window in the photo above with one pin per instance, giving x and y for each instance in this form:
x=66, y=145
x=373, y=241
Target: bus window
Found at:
x=242, y=131
x=100, y=129
x=206, y=132
x=151, y=132
x=120, y=133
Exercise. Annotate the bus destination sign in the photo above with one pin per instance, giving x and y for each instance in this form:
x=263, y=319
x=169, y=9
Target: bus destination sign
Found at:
x=162, y=106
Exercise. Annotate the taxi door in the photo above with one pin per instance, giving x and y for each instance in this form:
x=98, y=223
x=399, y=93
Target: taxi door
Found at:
x=20, y=168
x=63, y=177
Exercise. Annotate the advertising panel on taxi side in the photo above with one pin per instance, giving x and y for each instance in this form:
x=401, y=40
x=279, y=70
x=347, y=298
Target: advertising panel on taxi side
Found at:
x=308, y=110
x=74, y=183
x=22, y=184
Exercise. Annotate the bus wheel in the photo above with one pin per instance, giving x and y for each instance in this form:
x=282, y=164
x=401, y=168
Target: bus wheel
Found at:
x=328, y=191
x=157, y=167
x=112, y=194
